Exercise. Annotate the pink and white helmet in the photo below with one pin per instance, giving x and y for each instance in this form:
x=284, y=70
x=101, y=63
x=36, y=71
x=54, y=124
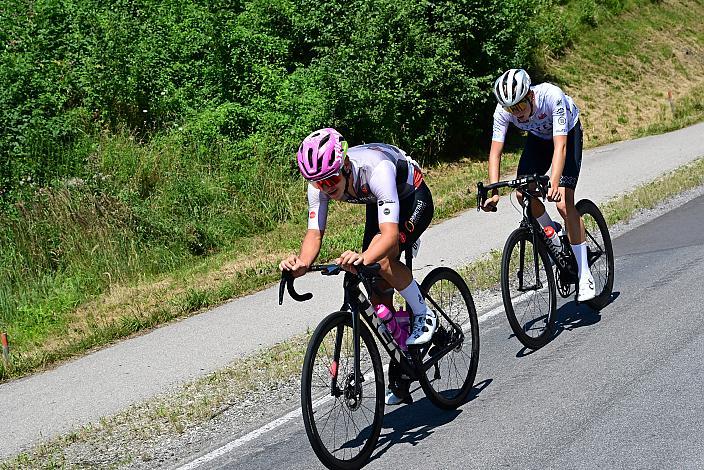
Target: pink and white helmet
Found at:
x=320, y=154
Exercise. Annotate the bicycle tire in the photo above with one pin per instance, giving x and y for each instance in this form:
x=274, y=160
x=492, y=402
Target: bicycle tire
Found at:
x=314, y=376
x=450, y=292
x=533, y=331
x=601, y=278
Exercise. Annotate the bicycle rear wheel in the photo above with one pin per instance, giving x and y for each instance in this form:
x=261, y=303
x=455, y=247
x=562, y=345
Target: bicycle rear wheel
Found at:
x=528, y=289
x=448, y=382
x=600, y=252
x=342, y=418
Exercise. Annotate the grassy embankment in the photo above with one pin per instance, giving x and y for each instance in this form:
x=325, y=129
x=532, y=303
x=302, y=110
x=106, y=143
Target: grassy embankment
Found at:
x=653, y=49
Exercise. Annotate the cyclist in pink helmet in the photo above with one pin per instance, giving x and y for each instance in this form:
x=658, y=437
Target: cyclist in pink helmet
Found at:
x=399, y=207
x=320, y=154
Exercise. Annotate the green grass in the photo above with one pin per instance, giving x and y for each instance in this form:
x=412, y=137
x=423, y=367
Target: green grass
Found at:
x=687, y=111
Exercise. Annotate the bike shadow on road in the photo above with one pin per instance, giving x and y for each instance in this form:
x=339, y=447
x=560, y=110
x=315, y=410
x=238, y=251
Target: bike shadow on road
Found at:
x=570, y=316
x=410, y=424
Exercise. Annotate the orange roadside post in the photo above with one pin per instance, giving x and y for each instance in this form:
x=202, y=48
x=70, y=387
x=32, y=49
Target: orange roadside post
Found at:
x=5, y=350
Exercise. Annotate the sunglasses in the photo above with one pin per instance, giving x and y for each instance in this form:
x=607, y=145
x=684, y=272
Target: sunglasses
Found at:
x=518, y=107
x=329, y=182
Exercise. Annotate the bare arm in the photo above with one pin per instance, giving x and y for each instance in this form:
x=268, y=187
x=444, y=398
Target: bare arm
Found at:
x=494, y=169
x=310, y=248
x=387, y=242
x=558, y=164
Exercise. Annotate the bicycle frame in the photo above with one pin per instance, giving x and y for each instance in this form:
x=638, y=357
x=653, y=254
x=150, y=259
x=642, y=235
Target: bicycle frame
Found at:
x=565, y=263
x=359, y=306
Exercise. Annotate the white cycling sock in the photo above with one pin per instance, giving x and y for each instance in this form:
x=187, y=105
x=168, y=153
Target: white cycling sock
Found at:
x=580, y=252
x=545, y=220
x=414, y=298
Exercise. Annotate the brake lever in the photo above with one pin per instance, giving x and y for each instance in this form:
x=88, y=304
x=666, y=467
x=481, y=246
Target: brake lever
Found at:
x=541, y=189
x=481, y=196
x=480, y=190
x=282, y=284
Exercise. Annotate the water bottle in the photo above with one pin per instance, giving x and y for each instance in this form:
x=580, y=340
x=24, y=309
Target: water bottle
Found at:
x=397, y=324
x=553, y=237
x=403, y=319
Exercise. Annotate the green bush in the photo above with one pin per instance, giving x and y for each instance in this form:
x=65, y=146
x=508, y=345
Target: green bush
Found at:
x=414, y=73
x=142, y=133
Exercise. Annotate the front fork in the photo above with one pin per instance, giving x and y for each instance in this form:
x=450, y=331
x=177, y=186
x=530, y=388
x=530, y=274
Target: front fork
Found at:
x=521, y=265
x=335, y=366
x=353, y=307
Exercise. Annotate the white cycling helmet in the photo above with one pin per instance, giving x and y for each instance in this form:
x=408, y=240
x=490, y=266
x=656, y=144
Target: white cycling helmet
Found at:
x=511, y=87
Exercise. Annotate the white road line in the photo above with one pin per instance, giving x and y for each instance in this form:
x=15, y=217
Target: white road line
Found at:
x=250, y=436
x=232, y=445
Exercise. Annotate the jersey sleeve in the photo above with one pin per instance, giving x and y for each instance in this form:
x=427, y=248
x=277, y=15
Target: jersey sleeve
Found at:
x=317, y=208
x=383, y=185
x=500, y=125
x=560, y=123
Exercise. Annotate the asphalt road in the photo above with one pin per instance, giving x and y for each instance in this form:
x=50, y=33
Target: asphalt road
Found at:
x=620, y=388
x=109, y=380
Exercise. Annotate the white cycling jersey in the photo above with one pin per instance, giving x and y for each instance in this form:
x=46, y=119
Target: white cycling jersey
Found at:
x=378, y=178
x=554, y=114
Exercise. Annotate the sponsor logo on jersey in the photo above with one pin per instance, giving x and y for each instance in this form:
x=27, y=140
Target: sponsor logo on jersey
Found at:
x=561, y=121
x=312, y=214
x=416, y=212
x=387, y=211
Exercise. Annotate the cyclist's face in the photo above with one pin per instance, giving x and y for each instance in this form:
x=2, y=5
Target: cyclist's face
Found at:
x=333, y=186
x=522, y=109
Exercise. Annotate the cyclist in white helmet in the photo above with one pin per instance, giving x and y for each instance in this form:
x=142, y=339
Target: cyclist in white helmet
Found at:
x=554, y=139
x=399, y=207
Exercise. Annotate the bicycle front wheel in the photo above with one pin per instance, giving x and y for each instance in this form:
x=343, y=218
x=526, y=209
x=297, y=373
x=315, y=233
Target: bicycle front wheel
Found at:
x=528, y=289
x=447, y=382
x=342, y=416
x=600, y=253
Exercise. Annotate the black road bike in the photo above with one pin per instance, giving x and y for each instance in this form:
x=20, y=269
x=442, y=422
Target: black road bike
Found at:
x=528, y=280
x=342, y=383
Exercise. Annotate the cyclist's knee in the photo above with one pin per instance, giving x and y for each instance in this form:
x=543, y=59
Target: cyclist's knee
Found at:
x=384, y=296
x=537, y=206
